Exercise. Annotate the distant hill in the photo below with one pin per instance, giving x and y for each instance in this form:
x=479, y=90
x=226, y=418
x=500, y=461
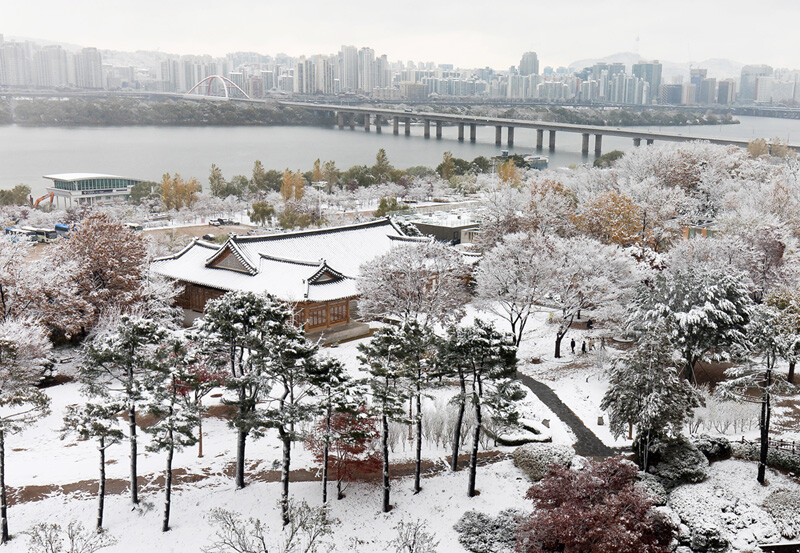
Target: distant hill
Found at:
x=717, y=68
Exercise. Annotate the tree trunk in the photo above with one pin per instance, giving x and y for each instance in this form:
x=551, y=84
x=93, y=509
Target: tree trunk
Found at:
x=459, y=421
x=418, y=458
x=241, y=440
x=339, y=494
x=132, y=430
x=765, y=416
x=101, y=489
x=3, y=502
x=385, y=446
x=559, y=337
x=325, y=454
x=199, y=427
x=168, y=484
x=476, y=439
x=286, y=438
x=790, y=376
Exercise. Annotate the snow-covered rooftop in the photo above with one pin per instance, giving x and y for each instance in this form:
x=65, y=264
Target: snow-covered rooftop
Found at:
x=316, y=265
x=83, y=176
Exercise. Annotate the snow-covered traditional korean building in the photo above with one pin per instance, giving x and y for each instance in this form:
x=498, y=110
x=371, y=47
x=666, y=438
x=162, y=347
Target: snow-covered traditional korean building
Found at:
x=314, y=270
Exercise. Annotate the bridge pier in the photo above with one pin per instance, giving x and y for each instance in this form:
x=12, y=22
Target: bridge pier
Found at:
x=473, y=131
x=408, y=126
x=598, y=144
x=427, y=128
x=498, y=135
x=650, y=141
x=340, y=118
x=378, y=123
x=539, y=139
x=396, y=125
x=585, y=144
x=461, y=132
x=510, y=137
x=366, y=122
x=351, y=120
x=438, y=129
x=637, y=141
x=552, y=141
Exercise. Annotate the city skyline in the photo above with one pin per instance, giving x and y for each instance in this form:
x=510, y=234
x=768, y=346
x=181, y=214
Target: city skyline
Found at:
x=467, y=34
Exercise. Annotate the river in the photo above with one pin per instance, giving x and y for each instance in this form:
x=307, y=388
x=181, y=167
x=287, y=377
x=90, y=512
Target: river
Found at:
x=27, y=153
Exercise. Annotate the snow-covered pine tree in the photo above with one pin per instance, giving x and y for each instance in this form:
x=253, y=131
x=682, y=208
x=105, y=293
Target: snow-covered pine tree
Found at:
x=235, y=331
x=705, y=309
x=765, y=344
x=96, y=421
x=175, y=412
x=119, y=358
x=417, y=354
x=287, y=360
x=336, y=395
x=488, y=358
x=382, y=358
x=23, y=352
x=646, y=392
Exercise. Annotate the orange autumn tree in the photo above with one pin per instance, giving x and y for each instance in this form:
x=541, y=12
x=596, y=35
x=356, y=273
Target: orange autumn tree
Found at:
x=509, y=173
x=292, y=185
x=611, y=218
x=177, y=193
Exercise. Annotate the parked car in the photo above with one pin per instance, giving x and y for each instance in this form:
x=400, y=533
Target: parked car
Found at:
x=209, y=237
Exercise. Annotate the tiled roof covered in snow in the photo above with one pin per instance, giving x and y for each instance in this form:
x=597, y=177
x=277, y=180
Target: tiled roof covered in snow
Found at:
x=315, y=265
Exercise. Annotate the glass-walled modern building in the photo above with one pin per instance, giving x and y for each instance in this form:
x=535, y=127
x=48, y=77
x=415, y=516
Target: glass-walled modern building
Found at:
x=74, y=188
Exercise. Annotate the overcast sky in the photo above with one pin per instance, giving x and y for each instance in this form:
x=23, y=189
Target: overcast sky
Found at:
x=467, y=33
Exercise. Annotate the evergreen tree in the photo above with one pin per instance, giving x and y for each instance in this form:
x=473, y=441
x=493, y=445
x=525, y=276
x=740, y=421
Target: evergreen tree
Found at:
x=287, y=360
x=23, y=350
x=646, y=393
x=335, y=388
x=96, y=421
x=118, y=360
x=706, y=309
x=235, y=330
x=216, y=182
x=488, y=360
x=765, y=344
x=176, y=415
x=382, y=358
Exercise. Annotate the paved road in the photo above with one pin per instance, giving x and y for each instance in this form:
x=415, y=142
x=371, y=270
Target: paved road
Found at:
x=587, y=444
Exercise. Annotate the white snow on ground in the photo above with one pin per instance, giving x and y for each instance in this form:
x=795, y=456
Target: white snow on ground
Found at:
x=39, y=457
x=363, y=527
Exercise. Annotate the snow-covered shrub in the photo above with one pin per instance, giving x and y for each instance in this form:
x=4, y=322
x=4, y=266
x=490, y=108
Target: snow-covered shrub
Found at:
x=535, y=460
x=678, y=462
x=51, y=538
x=413, y=537
x=653, y=487
x=717, y=520
x=784, y=506
x=776, y=458
x=715, y=448
x=481, y=533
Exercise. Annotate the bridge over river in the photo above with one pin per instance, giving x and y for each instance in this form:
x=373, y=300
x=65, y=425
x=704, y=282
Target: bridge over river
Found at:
x=369, y=117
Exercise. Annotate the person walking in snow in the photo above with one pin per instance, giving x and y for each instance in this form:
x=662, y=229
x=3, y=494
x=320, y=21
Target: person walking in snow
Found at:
x=572, y=345
x=583, y=347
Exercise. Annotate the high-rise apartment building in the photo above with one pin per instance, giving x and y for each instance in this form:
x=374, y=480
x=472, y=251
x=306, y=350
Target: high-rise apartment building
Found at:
x=49, y=67
x=707, y=91
x=726, y=91
x=650, y=72
x=366, y=70
x=88, y=69
x=348, y=75
x=15, y=64
x=529, y=64
x=747, y=84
